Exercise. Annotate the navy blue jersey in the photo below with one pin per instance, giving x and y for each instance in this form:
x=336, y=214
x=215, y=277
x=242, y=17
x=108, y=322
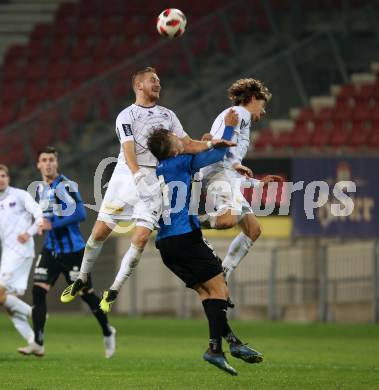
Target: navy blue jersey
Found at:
x=175, y=175
x=62, y=205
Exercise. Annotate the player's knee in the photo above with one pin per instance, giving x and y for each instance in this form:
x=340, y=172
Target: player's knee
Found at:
x=255, y=232
x=99, y=235
x=140, y=238
x=226, y=221
x=39, y=295
x=219, y=291
x=3, y=295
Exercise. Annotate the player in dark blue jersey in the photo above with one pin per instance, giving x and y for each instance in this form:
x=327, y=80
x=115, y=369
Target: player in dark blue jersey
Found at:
x=180, y=241
x=62, y=250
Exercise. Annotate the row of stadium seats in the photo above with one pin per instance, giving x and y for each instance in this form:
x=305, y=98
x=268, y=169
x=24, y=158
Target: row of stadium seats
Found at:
x=353, y=122
x=319, y=140
x=91, y=36
x=63, y=55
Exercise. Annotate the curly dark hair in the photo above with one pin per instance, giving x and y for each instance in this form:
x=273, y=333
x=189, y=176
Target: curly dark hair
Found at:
x=159, y=143
x=243, y=90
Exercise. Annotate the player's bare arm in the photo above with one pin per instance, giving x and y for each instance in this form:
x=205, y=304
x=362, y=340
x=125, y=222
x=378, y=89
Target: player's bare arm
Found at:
x=130, y=156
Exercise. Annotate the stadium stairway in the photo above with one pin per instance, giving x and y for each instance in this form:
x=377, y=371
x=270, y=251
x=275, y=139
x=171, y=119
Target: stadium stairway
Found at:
x=18, y=18
x=347, y=120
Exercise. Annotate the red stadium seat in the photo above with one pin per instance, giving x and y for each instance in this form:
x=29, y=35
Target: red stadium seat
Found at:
x=7, y=115
x=300, y=139
x=282, y=140
x=338, y=138
x=358, y=138
x=264, y=139
x=319, y=139
x=373, y=141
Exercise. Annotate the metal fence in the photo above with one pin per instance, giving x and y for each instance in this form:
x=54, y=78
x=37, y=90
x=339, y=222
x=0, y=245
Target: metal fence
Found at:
x=309, y=280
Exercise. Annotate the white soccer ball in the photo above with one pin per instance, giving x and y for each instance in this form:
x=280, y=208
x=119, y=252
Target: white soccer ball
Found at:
x=171, y=23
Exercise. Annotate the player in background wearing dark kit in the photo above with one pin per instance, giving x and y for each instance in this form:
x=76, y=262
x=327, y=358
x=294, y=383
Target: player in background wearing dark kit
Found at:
x=182, y=247
x=62, y=251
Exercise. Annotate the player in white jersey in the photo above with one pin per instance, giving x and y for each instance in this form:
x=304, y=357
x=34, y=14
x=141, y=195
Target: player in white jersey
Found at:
x=17, y=210
x=133, y=193
x=223, y=179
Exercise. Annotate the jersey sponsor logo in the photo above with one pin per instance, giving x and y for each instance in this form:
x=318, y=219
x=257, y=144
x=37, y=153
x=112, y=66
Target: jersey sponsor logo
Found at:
x=40, y=271
x=127, y=129
x=12, y=204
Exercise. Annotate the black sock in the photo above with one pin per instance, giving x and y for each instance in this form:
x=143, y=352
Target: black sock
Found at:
x=39, y=313
x=229, y=335
x=93, y=301
x=215, y=309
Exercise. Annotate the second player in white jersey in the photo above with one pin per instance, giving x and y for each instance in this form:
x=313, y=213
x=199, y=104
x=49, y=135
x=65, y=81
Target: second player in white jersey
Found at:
x=223, y=180
x=19, y=214
x=20, y=219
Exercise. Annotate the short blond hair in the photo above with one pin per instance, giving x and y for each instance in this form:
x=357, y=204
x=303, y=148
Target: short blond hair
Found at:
x=136, y=75
x=243, y=90
x=5, y=169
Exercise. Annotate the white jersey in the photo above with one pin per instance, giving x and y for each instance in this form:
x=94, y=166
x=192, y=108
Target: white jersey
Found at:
x=241, y=136
x=135, y=123
x=17, y=209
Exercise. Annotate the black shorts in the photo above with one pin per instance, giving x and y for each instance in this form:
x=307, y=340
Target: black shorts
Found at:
x=50, y=265
x=190, y=258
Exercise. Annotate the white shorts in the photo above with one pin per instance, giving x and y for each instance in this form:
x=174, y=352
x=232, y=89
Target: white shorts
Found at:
x=122, y=202
x=14, y=272
x=223, y=192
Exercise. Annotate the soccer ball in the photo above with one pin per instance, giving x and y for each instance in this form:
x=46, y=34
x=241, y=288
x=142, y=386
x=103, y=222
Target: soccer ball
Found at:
x=171, y=23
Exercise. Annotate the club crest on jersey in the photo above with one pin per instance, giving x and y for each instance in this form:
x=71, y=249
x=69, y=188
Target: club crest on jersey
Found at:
x=243, y=124
x=127, y=130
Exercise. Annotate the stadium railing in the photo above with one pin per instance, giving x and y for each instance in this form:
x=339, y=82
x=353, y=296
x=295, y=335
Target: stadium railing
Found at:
x=309, y=280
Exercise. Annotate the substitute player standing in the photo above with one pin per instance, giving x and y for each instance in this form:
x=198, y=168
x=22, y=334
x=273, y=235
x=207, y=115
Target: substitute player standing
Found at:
x=133, y=191
x=182, y=247
x=17, y=209
x=63, y=249
x=249, y=97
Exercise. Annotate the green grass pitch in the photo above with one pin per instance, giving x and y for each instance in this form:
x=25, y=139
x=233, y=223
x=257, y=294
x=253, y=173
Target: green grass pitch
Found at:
x=167, y=354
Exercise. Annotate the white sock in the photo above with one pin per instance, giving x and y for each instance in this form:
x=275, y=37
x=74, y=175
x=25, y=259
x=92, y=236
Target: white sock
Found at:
x=91, y=253
x=128, y=263
x=238, y=249
x=16, y=305
x=22, y=326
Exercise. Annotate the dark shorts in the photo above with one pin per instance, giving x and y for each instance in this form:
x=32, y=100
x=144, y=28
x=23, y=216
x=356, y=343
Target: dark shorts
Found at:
x=50, y=265
x=190, y=258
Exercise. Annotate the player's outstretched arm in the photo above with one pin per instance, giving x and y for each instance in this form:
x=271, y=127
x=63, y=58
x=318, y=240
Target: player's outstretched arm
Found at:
x=219, y=146
x=79, y=214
